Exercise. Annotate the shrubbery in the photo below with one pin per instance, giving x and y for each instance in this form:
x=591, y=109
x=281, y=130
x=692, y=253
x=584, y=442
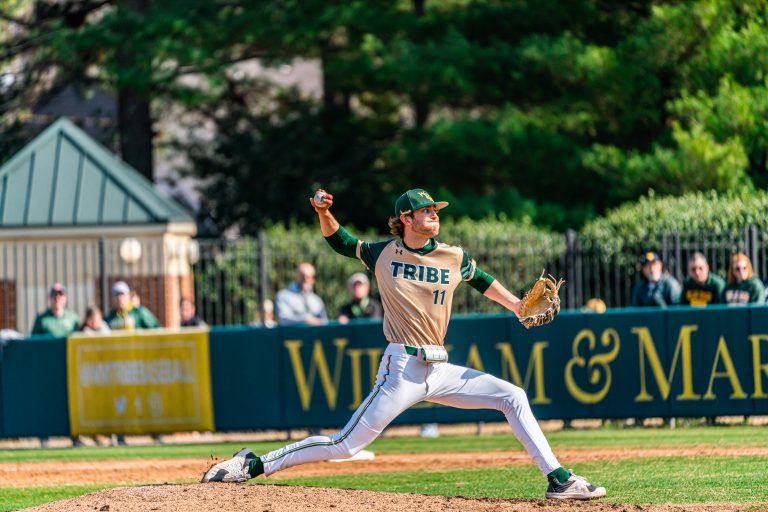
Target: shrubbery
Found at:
x=632, y=224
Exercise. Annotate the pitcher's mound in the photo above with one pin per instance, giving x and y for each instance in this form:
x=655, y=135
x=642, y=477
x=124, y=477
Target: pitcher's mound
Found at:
x=281, y=498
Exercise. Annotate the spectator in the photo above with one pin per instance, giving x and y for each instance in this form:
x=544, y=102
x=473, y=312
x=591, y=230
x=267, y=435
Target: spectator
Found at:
x=125, y=315
x=362, y=305
x=94, y=322
x=701, y=287
x=57, y=320
x=595, y=305
x=136, y=301
x=298, y=304
x=265, y=316
x=655, y=288
x=189, y=316
x=743, y=287
x=268, y=314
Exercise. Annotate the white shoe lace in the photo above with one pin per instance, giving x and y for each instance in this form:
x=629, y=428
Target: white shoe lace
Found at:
x=578, y=478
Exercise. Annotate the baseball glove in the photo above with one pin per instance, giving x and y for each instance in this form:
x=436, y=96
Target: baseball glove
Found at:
x=541, y=303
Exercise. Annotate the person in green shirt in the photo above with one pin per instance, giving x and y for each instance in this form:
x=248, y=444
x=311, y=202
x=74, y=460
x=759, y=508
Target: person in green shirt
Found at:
x=57, y=320
x=125, y=315
x=743, y=287
x=701, y=287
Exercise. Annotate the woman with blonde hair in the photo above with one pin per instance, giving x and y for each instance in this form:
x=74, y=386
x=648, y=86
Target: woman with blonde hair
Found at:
x=743, y=287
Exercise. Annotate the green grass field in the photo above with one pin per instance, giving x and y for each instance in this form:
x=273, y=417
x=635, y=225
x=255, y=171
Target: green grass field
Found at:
x=657, y=480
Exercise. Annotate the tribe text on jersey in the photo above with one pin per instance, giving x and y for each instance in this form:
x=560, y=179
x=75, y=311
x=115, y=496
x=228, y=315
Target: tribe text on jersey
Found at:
x=417, y=292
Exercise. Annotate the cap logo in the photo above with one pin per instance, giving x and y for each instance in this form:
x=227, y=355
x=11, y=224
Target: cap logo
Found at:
x=426, y=196
x=649, y=256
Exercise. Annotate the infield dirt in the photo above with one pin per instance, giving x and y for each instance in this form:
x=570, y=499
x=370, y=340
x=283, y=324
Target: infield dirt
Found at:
x=277, y=498
x=156, y=492
x=160, y=471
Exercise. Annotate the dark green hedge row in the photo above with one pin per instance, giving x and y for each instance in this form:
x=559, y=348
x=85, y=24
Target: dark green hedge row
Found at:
x=702, y=212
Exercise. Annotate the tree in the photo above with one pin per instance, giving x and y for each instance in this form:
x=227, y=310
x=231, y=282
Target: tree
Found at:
x=551, y=110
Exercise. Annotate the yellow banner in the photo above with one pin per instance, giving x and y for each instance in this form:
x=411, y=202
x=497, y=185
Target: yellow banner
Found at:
x=140, y=382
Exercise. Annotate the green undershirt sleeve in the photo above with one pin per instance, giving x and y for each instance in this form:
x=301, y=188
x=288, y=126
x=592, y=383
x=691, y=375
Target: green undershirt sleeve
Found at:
x=343, y=243
x=481, y=281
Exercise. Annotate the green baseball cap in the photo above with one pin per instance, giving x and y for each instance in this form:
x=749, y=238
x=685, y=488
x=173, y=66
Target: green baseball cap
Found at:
x=415, y=199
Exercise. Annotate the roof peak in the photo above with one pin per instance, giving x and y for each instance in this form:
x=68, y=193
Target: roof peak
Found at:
x=64, y=177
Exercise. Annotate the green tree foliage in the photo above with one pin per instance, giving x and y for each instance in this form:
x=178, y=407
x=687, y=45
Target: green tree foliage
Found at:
x=551, y=110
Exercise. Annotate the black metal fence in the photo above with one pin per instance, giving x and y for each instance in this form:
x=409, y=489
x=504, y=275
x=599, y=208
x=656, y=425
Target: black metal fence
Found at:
x=233, y=279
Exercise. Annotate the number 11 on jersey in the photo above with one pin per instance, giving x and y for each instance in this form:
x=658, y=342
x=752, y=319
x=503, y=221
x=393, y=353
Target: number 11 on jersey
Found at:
x=441, y=294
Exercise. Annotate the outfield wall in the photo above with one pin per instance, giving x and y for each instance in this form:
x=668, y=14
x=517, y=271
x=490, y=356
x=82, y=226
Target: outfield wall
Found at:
x=625, y=363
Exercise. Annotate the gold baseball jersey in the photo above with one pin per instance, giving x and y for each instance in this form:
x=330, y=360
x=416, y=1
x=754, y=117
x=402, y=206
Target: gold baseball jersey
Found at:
x=416, y=287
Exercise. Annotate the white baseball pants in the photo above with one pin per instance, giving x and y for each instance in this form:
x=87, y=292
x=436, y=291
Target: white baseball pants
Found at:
x=404, y=381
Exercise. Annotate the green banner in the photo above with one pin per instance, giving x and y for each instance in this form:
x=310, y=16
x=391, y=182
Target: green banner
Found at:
x=629, y=363
x=624, y=363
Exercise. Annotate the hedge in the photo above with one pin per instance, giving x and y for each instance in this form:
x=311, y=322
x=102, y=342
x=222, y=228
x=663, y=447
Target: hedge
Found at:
x=633, y=224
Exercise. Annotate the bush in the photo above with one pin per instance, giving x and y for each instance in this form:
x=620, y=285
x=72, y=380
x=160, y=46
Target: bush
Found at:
x=633, y=224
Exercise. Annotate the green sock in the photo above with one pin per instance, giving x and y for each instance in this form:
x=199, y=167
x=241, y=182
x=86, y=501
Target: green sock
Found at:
x=560, y=474
x=256, y=467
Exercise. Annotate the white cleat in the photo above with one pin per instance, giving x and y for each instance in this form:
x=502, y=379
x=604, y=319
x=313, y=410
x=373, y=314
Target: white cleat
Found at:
x=575, y=488
x=233, y=470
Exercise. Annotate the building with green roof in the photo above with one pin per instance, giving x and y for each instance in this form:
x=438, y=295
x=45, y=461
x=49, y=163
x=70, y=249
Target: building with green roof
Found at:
x=73, y=212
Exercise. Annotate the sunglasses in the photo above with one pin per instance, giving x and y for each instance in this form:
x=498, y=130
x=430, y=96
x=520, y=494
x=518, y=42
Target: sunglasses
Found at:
x=739, y=268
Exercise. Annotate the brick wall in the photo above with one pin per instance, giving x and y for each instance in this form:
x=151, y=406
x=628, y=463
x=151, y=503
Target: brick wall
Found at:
x=7, y=304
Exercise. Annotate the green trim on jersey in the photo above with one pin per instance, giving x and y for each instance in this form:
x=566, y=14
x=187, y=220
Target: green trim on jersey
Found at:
x=428, y=247
x=346, y=245
x=482, y=281
x=466, y=266
x=476, y=278
x=343, y=243
x=370, y=252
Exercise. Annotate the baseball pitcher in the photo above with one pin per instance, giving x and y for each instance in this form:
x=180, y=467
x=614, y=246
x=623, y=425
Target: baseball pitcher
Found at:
x=417, y=277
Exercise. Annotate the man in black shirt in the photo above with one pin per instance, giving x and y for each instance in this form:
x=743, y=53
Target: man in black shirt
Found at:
x=362, y=305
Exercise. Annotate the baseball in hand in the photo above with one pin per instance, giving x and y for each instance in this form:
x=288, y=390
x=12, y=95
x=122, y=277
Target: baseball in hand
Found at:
x=319, y=197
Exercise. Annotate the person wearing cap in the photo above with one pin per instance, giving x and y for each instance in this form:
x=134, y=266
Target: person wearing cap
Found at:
x=416, y=277
x=125, y=315
x=57, y=320
x=298, y=304
x=701, y=287
x=362, y=304
x=655, y=287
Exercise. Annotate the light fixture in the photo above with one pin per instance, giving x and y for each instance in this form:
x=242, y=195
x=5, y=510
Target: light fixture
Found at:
x=193, y=251
x=130, y=250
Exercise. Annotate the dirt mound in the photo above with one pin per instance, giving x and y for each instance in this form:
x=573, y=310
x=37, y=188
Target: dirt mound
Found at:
x=278, y=498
